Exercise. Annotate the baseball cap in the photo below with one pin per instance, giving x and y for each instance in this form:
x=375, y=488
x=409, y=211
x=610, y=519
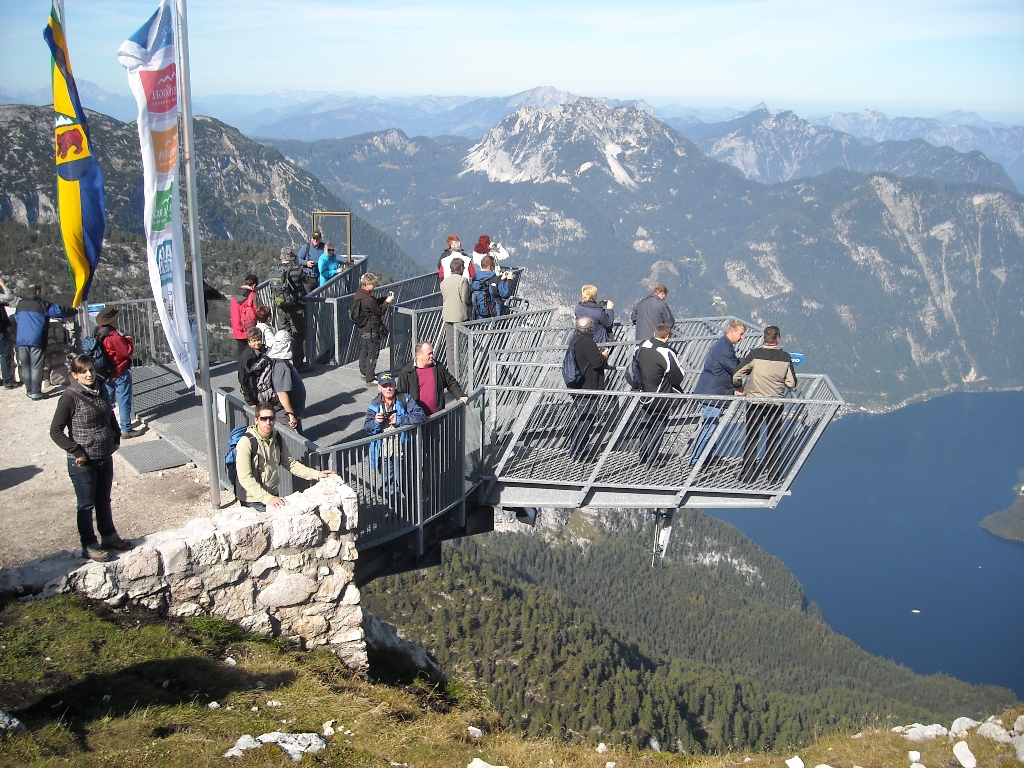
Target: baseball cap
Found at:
x=386, y=379
x=317, y=235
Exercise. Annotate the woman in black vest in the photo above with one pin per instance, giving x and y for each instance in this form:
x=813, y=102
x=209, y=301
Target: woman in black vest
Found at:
x=84, y=425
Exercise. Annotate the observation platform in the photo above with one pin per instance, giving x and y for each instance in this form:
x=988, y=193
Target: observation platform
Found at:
x=523, y=442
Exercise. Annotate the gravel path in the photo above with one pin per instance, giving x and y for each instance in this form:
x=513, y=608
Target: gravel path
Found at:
x=37, y=502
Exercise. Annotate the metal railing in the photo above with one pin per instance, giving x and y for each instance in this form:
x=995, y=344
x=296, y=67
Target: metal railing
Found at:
x=617, y=448
x=232, y=412
x=408, y=477
x=346, y=334
x=419, y=319
x=541, y=336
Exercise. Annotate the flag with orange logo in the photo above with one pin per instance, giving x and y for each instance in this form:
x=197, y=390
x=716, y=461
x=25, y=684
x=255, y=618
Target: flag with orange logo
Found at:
x=80, y=207
x=151, y=60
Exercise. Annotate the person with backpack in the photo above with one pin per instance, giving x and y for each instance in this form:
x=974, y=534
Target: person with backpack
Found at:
x=288, y=295
x=118, y=350
x=366, y=313
x=260, y=454
x=256, y=371
x=659, y=372
x=592, y=363
x=243, y=311
x=83, y=424
x=490, y=290
x=32, y=318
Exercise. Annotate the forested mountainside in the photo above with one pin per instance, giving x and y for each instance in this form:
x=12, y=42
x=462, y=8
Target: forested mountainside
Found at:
x=897, y=287
x=247, y=192
x=579, y=637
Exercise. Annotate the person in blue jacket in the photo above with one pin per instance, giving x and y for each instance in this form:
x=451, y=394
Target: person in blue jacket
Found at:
x=715, y=378
x=386, y=413
x=328, y=265
x=32, y=317
x=601, y=312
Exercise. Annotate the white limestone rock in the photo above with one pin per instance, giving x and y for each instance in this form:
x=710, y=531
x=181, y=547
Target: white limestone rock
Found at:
x=913, y=756
x=602, y=748
x=962, y=725
x=995, y=732
x=919, y=733
x=263, y=566
x=287, y=589
x=963, y=753
x=244, y=743
x=383, y=636
x=1018, y=743
x=478, y=763
x=1018, y=725
x=295, y=745
x=474, y=732
x=795, y=762
x=302, y=531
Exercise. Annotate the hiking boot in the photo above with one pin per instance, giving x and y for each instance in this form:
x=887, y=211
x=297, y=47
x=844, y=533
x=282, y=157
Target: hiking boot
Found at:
x=304, y=368
x=132, y=433
x=97, y=554
x=117, y=543
x=11, y=385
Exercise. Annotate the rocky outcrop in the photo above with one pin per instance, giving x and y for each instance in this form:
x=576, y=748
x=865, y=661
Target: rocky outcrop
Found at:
x=285, y=572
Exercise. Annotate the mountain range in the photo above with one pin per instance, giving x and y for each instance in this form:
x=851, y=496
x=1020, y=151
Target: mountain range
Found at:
x=896, y=286
x=247, y=194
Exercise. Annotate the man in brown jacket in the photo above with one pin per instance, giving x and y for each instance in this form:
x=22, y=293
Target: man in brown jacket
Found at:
x=770, y=372
x=456, y=300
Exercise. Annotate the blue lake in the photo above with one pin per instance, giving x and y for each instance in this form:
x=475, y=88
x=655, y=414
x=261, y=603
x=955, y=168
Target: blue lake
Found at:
x=884, y=520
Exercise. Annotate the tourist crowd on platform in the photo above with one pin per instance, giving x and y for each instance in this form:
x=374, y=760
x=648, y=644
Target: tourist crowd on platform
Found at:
x=94, y=413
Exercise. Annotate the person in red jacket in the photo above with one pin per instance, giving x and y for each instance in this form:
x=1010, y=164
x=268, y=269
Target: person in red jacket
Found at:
x=243, y=312
x=118, y=349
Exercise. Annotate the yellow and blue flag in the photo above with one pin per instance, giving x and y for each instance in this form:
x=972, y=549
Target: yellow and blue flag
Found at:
x=83, y=216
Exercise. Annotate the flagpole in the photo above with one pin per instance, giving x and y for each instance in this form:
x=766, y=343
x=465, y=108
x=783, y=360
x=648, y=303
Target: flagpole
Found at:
x=197, y=259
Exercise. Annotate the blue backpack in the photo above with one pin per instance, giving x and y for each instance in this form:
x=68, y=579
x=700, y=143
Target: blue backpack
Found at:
x=93, y=347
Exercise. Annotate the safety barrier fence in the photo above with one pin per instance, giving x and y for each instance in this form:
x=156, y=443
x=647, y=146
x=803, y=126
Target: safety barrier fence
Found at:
x=420, y=319
x=639, y=445
x=346, y=334
x=542, y=336
x=410, y=476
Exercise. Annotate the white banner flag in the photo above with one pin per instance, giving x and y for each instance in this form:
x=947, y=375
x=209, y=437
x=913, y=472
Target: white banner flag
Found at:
x=149, y=57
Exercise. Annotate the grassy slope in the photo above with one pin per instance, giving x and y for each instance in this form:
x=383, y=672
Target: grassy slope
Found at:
x=60, y=657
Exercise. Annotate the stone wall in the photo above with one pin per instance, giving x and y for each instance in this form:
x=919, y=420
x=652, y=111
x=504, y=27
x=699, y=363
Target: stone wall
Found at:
x=281, y=573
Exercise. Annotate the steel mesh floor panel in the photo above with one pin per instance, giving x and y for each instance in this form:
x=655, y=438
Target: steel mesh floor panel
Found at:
x=153, y=456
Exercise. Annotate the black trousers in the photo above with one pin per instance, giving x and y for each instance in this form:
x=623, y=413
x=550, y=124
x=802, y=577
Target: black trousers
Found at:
x=369, y=351
x=293, y=320
x=769, y=415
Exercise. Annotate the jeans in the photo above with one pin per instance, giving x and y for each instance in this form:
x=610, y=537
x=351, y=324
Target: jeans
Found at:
x=709, y=416
x=369, y=351
x=769, y=414
x=119, y=391
x=6, y=361
x=93, y=481
x=30, y=359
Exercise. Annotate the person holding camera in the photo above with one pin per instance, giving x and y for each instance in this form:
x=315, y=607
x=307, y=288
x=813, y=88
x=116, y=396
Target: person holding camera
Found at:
x=601, y=312
x=372, y=330
x=485, y=247
x=387, y=412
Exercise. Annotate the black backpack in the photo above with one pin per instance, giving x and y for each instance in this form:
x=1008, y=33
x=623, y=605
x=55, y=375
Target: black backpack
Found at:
x=284, y=290
x=355, y=313
x=93, y=347
x=571, y=373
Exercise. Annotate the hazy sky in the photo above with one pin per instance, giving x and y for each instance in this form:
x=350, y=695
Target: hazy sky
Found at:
x=920, y=57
